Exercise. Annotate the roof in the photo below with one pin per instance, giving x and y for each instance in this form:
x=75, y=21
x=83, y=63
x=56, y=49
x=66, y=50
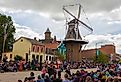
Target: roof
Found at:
x=32, y=41
x=52, y=45
x=48, y=30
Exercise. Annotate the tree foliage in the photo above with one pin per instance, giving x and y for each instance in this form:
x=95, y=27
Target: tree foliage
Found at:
x=101, y=58
x=17, y=57
x=6, y=28
x=60, y=56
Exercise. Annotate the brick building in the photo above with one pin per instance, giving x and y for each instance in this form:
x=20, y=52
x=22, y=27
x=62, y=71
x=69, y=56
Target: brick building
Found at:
x=109, y=50
x=51, y=45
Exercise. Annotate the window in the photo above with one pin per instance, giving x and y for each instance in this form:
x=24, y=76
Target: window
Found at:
x=21, y=40
x=33, y=56
x=37, y=49
x=26, y=56
x=46, y=50
x=10, y=55
x=70, y=32
x=49, y=58
x=46, y=57
x=41, y=49
x=33, y=48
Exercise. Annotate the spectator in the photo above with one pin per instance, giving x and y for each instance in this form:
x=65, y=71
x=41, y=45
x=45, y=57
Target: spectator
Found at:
x=47, y=79
x=88, y=79
x=66, y=78
x=31, y=78
x=26, y=79
x=40, y=79
x=19, y=80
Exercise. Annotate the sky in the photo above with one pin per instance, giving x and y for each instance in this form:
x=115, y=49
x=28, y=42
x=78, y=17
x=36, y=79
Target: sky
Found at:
x=32, y=18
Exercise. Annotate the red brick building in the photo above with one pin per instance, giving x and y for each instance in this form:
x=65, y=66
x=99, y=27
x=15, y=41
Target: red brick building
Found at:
x=109, y=50
x=51, y=45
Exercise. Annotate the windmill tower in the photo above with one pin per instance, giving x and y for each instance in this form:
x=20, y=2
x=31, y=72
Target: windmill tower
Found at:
x=73, y=40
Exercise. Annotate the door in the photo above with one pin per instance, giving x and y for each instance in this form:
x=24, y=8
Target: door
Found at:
x=26, y=56
x=41, y=58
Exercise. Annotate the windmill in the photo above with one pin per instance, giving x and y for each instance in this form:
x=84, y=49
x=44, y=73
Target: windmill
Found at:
x=73, y=40
x=76, y=20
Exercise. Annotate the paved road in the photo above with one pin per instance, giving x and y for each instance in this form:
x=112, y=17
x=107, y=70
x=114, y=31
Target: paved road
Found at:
x=14, y=76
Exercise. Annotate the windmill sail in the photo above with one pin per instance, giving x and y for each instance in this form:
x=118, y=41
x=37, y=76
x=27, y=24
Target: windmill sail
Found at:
x=77, y=21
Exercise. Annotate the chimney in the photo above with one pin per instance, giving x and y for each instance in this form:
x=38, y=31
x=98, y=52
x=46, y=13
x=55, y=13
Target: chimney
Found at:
x=54, y=38
x=35, y=38
x=39, y=40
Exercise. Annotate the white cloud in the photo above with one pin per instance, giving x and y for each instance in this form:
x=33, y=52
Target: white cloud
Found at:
x=26, y=32
x=55, y=6
x=104, y=39
x=33, y=17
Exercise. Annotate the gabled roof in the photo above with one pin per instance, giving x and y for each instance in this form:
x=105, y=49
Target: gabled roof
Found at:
x=52, y=45
x=32, y=41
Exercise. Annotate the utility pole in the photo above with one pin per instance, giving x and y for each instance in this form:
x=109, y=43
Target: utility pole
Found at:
x=96, y=51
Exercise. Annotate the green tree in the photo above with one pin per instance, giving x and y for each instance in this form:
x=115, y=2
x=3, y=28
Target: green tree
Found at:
x=7, y=30
x=17, y=57
x=101, y=58
x=61, y=56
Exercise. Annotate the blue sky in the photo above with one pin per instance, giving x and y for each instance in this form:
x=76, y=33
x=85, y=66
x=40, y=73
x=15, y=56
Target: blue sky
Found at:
x=32, y=18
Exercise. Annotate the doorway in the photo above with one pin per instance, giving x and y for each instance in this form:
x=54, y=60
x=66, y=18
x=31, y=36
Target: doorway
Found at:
x=26, y=57
x=41, y=58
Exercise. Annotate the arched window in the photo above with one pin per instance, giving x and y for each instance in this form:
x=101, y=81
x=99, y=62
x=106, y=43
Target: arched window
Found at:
x=46, y=57
x=41, y=49
x=33, y=48
x=10, y=55
x=37, y=49
x=33, y=56
x=49, y=58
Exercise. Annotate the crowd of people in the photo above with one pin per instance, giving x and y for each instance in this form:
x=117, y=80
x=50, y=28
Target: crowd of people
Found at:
x=19, y=65
x=103, y=73
x=62, y=72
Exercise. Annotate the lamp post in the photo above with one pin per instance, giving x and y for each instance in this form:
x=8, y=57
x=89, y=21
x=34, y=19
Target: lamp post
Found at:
x=111, y=55
x=97, y=51
x=54, y=54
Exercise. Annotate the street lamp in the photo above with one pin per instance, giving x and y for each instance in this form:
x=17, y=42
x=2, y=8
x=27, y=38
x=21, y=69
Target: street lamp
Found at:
x=97, y=51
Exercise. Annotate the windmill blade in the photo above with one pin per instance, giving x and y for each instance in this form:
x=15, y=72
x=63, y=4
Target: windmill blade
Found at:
x=79, y=11
x=88, y=27
x=69, y=12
